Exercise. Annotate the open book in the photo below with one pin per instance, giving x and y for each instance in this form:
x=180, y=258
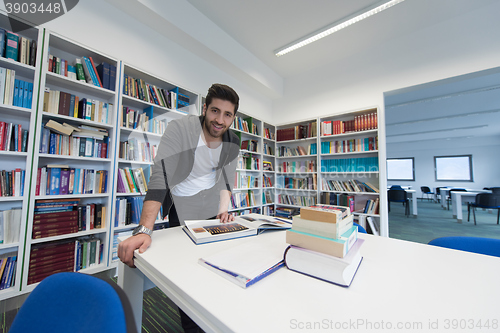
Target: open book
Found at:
x=206, y=231
x=246, y=263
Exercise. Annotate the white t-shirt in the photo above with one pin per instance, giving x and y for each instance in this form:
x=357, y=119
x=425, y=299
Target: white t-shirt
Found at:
x=203, y=174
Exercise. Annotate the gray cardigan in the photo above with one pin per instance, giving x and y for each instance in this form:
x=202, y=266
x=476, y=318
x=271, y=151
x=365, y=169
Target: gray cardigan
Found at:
x=175, y=158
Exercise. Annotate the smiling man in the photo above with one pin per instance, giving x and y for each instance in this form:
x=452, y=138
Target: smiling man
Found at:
x=193, y=173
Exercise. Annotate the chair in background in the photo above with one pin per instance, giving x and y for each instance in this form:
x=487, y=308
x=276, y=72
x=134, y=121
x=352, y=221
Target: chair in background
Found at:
x=481, y=245
x=484, y=200
x=398, y=196
x=495, y=190
x=360, y=228
x=448, y=198
x=426, y=191
x=75, y=302
x=396, y=187
x=438, y=193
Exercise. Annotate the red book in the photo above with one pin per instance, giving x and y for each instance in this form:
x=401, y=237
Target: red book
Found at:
x=92, y=216
x=45, y=216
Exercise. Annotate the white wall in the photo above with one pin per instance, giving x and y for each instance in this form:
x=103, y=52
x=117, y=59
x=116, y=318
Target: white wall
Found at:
x=485, y=153
x=101, y=26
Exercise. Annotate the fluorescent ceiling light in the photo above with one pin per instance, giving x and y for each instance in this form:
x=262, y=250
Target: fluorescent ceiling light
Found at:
x=339, y=25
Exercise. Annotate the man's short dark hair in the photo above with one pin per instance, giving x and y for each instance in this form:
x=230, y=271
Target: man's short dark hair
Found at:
x=223, y=92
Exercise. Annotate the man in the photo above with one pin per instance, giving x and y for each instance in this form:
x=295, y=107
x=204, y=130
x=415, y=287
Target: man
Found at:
x=193, y=174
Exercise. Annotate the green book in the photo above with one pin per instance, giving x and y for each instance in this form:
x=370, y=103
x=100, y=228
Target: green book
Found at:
x=80, y=74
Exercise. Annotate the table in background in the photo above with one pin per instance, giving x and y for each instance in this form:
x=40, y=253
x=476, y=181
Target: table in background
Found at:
x=459, y=197
x=444, y=193
x=397, y=282
x=412, y=195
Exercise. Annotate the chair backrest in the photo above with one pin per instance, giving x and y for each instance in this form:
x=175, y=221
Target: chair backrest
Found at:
x=397, y=195
x=360, y=228
x=481, y=245
x=456, y=190
x=488, y=200
x=495, y=190
x=425, y=189
x=75, y=302
x=396, y=187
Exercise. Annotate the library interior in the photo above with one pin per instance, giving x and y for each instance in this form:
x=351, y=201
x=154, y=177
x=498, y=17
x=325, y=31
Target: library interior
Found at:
x=368, y=132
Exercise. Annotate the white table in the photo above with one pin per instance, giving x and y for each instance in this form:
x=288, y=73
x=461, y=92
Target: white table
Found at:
x=457, y=198
x=444, y=194
x=412, y=195
x=419, y=287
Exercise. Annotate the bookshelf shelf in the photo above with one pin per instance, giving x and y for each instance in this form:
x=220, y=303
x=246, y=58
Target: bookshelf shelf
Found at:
x=349, y=134
x=20, y=68
x=7, y=199
x=76, y=120
x=348, y=192
x=247, y=170
x=14, y=110
x=135, y=162
x=118, y=194
x=131, y=130
x=295, y=189
x=13, y=153
x=5, y=246
x=140, y=104
x=352, y=153
x=72, y=196
x=246, y=189
x=297, y=140
x=72, y=235
x=82, y=87
x=76, y=158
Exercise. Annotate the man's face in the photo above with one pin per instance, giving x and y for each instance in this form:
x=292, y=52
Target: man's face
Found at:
x=218, y=117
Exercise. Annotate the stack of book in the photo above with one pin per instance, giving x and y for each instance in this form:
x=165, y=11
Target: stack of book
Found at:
x=324, y=244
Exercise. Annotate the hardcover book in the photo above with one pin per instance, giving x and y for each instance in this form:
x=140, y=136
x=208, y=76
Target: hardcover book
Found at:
x=207, y=231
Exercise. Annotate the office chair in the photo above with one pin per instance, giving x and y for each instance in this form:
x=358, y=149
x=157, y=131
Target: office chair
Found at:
x=481, y=245
x=360, y=228
x=75, y=302
x=399, y=196
x=495, y=190
x=396, y=187
x=484, y=200
x=448, y=198
x=427, y=191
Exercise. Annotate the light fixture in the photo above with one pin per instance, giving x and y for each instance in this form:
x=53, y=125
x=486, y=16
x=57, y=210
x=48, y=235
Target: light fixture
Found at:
x=339, y=25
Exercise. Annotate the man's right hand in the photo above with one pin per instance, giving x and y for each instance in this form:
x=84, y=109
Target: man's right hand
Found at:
x=127, y=247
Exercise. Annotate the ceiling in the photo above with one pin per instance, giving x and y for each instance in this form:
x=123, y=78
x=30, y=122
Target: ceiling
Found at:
x=262, y=26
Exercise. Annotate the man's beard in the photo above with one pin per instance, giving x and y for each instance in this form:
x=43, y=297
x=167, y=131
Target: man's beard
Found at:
x=212, y=132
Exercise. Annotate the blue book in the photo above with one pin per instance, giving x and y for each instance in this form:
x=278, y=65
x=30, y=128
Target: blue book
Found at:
x=30, y=95
x=76, y=186
x=55, y=180
x=12, y=272
x=112, y=78
x=71, y=105
x=5, y=273
x=52, y=143
x=2, y=42
x=23, y=175
x=15, y=102
x=93, y=75
x=22, y=84
x=103, y=72
x=149, y=112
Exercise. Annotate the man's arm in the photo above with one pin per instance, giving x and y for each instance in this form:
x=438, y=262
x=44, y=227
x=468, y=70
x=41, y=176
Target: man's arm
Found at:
x=225, y=199
x=126, y=248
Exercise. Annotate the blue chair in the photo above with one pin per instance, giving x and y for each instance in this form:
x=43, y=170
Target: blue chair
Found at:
x=426, y=190
x=360, y=228
x=484, y=200
x=398, y=196
x=481, y=245
x=75, y=302
x=396, y=187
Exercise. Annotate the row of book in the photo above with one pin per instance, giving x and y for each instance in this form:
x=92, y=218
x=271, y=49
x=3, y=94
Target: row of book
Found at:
x=12, y=183
x=297, y=200
x=324, y=244
x=250, y=145
x=248, y=162
x=267, y=198
x=286, y=212
x=350, y=145
x=138, y=88
x=268, y=210
x=136, y=150
x=62, y=180
x=132, y=181
x=66, y=216
x=242, y=200
x=8, y=265
x=85, y=70
x=10, y=225
x=245, y=125
x=128, y=211
x=296, y=183
x=13, y=137
x=364, y=164
x=297, y=166
x=17, y=48
x=66, y=104
x=285, y=151
x=348, y=185
x=371, y=206
x=363, y=122
x=267, y=181
x=15, y=92
x=268, y=134
x=297, y=132
x=143, y=120
x=77, y=144
x=268, y=149
x=338, y=199
x=63, y=256
x=244, y=181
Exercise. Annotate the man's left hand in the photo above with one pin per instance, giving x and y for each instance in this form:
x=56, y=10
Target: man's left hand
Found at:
x=225, y=217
